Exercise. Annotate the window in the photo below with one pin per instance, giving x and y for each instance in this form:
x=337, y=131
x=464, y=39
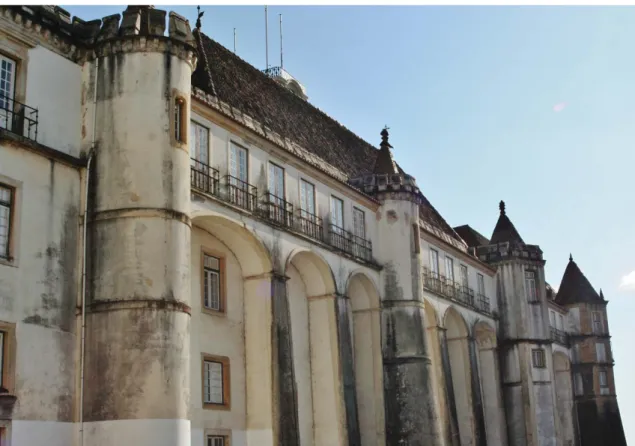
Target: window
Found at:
x=480, y=280
x=597, y=322
x=179, y=119
x=238, y=164
x=7, y=90
x=600, y=352
x=6, y=207
x=449, y=268
x=359, y=223
x=213, y=283
x=464, y=279
x=199, y=142
x=2, y=350
x=216, y=440
x=552, y=318
x=215, y=382
x=538, y=358
x=561, y=323
x=276, y=182
x=579, y=384
x=575, y=354
x=530, y=286
x=7, y=347
x=434, y=263
x=337, y=212
x=604, y=382
x=307, y=199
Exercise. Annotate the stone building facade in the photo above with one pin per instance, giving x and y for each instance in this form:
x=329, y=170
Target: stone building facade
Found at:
x=193, y=254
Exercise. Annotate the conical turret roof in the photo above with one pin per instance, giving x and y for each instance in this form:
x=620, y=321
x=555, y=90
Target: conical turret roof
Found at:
x=504, y=231
x=576, y=288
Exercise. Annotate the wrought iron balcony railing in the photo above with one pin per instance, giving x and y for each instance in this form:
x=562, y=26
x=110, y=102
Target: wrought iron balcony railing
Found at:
x=362, y=248
x=278, y=210
x=448, y=288
x=240, y=193
x=310, y=225
x=340, y=239
x=18, y=118
x=559, y=336
x=203, y=177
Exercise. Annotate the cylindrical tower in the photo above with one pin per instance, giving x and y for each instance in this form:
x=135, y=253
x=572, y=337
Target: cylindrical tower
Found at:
x=136, y=388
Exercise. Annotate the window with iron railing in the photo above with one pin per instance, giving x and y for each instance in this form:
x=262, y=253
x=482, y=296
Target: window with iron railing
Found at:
x=278, y=210
x=310, y=225
x=18, y=118
x=339, y=238
x=240, y=193
x=448, y=288
x=558, y=336
x=203, y=177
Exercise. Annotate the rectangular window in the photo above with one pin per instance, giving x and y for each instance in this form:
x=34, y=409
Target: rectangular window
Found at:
x=238, y=165
x=449, y=268
x=213, y=292
x=276, y=181
x=216, y=440
x=481, y=284
x=464, y=279
x=215, y=382
x=2, y=350
x=199, y=143
x=579, y=384
x=7, y=90
x=307, y=198
x=598, y=327
x=600, y=352
x=179, y=119
x=538, y=358
x=359, y=223
x=552, y=318
x=561, y=323
x=575, y=353
x=530, y=286
x=434, y=263
x=337, y=212
x=604, y=382
x=6, y=207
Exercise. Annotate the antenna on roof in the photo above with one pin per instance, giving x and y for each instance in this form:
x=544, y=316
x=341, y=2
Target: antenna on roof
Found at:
x=234, y=40
x=281, y=65
x=266, y=39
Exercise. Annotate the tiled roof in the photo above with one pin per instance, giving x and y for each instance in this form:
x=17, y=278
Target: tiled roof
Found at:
x=471, y=236
x=504, y=231
x=240, y=85
x=576, y=288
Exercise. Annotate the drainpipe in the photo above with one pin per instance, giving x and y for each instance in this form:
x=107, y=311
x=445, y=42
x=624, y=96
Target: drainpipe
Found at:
x=85, y=223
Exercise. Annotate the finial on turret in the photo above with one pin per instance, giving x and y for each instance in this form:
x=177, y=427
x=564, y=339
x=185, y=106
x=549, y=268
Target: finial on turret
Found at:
x=198, y=17
x=501, y=206
x=384, y=137
x=570, y=257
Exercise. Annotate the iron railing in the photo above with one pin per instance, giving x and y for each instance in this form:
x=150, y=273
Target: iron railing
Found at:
x=203, y=177
x=240, y=193
x=362, y=248
x=18, y=118
x=340, y=238
x=448, y=288
x=559, y=336
x=278, y=210
x=310, y=225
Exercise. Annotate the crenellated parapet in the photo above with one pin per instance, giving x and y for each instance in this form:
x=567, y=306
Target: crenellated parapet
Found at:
x=503, y=251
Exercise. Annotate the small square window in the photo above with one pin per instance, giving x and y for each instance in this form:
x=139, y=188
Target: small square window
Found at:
x=538, y=358
x=213, y=283
x=216, y=382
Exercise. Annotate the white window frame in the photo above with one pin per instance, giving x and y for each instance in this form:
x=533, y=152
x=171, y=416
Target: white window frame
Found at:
x=7, y=95
x=337, y=212
x=530, y=286
x=210, y=301
x=7, y=205
x=480, y=282
x=208, y=398
x=449, y=268
x=538, y=358
x=465, y=281
x=276, y=181
x=238, y=169
x=597, y=322
x=552, y=318
x=359, y=223
x=600, y=351
x=307, y=199
x=434, y=262
x=199, y=142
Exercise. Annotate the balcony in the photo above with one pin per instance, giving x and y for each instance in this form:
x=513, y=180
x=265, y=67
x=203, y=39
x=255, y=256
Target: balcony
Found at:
x=454, y=291
x=203, y=177
x=240, y=193
x=277, y=210
x=310, y=225
x=559, y=336
x=347, y=242
x=18, y=118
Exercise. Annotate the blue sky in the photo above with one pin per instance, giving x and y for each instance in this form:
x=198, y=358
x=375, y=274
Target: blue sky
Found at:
x=532, y=105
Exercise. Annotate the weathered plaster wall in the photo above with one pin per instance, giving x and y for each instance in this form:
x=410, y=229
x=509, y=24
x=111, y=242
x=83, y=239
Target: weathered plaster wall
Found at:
x=54, y=87
x=38, y=290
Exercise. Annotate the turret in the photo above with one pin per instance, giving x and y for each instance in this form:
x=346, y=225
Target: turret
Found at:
x=136, y=388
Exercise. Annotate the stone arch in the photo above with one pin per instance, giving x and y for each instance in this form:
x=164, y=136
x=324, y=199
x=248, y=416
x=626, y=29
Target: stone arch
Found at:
x=312, y=291
x=364, y=325
x=487, y=359
x=564, y=399
x=459, y=373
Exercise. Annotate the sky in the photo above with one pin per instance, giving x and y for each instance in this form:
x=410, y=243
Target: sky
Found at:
x=531, y=105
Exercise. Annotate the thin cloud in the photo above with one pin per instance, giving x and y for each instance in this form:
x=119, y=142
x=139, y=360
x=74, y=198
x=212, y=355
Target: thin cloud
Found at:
x=628, y=282
x=559, y=107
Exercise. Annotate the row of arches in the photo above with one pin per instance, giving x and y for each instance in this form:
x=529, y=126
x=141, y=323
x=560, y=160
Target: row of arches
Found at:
x=300, y=386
